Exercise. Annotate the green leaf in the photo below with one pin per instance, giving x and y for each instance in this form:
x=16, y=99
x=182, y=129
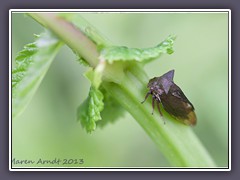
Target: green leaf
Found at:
x=122, y=53
x=99, y=104
x=89, y=111
x=112, y=110
x=32, y=64
x=23, y=61
x=98, y=110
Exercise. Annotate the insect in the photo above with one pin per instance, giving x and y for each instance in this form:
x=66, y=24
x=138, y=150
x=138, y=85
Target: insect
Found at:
x=173, y=100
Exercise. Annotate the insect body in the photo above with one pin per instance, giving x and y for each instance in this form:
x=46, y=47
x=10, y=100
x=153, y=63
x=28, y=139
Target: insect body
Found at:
x=173, y=100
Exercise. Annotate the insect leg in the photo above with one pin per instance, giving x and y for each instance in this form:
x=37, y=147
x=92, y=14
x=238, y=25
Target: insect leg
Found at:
x=159, y=110
x=146, y=97
x=153, y=104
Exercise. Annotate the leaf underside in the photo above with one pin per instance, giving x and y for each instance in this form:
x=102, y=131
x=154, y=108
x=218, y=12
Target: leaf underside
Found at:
x=122, y=53
x=32, y=64
x=89, y=111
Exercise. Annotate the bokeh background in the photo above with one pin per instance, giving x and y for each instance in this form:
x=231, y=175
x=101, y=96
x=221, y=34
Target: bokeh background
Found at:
x=48, y=128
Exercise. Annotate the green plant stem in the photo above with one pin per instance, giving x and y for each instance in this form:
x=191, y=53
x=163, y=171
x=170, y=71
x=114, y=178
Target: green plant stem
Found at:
x=70, y=35
x=177, y=142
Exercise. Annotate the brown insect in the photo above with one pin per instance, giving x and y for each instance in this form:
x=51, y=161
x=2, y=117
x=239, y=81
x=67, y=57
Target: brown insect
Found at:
x=173, y=100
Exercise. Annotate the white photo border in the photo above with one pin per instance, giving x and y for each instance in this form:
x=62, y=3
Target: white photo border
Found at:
x=121, y=168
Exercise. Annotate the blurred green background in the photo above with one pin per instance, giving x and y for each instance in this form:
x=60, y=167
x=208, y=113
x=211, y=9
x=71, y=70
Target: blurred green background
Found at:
x=48, y=128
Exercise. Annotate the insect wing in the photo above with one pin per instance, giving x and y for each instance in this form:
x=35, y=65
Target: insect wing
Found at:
x=177, y=105
x=177, y=92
